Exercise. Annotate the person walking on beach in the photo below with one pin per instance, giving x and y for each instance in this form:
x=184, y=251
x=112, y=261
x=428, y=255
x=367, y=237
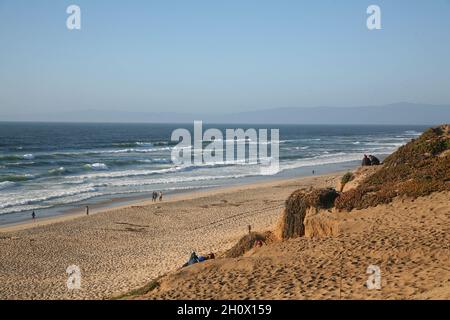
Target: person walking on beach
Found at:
x=33, y=215
x=87, y=210
x=160, y=196
x=154, y=196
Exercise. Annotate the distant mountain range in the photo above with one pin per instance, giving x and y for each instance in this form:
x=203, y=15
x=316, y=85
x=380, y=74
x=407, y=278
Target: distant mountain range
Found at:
x=397, y=113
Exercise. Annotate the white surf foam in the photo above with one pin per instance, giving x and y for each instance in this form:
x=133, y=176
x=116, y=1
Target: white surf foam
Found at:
x=97, y=166
x=38, y=196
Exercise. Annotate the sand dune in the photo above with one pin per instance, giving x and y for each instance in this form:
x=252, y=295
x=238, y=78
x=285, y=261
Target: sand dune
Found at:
x=409, y=240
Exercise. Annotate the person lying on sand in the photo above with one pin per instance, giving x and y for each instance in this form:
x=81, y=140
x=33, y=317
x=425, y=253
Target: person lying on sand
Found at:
x=196, y=259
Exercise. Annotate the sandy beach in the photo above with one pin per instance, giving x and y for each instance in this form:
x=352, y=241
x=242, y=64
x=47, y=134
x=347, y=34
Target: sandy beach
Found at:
x=122, y=248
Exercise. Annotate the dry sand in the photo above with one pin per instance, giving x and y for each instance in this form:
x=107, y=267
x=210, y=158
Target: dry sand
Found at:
x=122, y=248
x=409, y=240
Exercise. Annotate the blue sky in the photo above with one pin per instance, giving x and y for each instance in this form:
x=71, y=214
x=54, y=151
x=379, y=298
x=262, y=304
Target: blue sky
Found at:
x=211, y=56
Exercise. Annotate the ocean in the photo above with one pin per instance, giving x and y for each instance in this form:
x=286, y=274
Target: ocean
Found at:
x=55, y=167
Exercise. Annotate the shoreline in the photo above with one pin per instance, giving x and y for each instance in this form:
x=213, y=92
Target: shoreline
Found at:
x=139, y=200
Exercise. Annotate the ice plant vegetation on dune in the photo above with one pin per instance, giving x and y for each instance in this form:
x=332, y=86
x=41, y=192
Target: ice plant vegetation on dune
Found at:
x=416, y=169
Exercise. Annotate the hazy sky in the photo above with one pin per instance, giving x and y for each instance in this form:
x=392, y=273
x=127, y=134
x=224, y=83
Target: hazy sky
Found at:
x=213, y=55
